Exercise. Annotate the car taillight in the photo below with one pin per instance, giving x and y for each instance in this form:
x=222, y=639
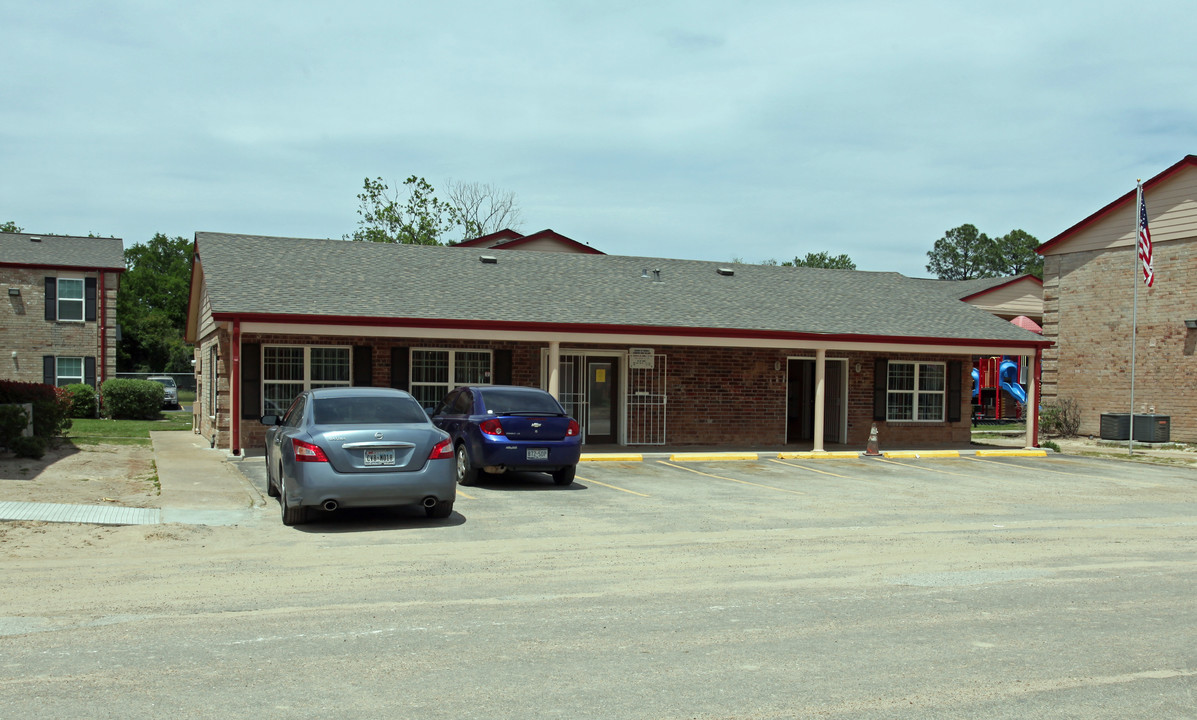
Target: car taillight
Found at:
x=491, y=427
x=307, y=452
x=443, y=450
x=573, y=429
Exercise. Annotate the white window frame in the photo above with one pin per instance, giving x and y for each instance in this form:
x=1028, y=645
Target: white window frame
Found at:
x=81, y=300
x=306, y=380
x=210, y=377
x=916, y=393
x=453, y=380
x=70, y=379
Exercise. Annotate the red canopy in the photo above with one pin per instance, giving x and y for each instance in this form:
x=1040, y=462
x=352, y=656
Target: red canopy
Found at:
x=1027, y=323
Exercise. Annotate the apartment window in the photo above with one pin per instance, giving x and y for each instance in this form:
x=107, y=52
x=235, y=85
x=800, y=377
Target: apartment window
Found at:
x=915, y=391
x=68, y=371
x=431, y=371
x=289, y=370
x=70, y=299
x=210, y=377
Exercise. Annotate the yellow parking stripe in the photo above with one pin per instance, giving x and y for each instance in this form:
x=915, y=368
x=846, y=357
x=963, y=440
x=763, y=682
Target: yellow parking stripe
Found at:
x=613, y=487
x=711, y=457
x=467, y=497
x=1012, y=453
x=811, y=469
x=818, y=455
x=927, y=469
x=611, y=457
x=720, y=477
x=920, y=454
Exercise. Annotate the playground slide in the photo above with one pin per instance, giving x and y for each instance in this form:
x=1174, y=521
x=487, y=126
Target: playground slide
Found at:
x=976, y=383
x=1008, y=372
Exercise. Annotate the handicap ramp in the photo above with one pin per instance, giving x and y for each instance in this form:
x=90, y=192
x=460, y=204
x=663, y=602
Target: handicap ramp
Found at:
x=89, y=514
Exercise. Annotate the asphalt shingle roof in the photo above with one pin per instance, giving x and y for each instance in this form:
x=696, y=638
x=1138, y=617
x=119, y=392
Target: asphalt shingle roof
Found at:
x=62, y=251
x=247, y=274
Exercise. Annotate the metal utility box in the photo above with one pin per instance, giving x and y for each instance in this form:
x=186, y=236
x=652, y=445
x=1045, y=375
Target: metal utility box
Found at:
x=1148, y=428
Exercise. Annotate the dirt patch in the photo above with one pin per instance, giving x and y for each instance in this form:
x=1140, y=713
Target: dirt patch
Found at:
x=85, y=475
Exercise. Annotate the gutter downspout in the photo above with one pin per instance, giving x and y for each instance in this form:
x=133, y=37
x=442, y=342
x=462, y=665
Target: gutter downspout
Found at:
x=235, y=391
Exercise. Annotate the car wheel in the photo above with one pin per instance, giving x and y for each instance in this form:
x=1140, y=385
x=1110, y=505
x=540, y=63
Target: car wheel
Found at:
x=442, y=509
x=271, y=490
x=466, y=473
x=565, y=476
x=291, y=515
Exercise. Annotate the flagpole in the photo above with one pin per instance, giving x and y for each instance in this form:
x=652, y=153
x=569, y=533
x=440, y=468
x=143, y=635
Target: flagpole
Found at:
x=1130, y=436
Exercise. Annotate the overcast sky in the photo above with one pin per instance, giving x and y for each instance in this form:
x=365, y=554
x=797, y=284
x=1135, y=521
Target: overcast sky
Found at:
x=700, y=130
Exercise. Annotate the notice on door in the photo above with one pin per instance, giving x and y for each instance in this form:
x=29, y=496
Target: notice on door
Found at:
x=600, y=375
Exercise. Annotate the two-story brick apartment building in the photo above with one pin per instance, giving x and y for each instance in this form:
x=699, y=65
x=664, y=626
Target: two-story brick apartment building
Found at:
x=59, y=322
x=642, y=351
x=1089, y=287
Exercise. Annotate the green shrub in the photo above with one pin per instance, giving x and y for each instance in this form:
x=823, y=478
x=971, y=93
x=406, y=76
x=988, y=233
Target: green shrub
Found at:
x=83, y=400
x=51, y=405
x=131, y=399
x=28, y=447
x=1048, y=444
x=1061, y=416
x=13, y=421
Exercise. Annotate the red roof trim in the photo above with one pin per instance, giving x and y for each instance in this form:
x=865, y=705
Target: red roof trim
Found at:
x=600, y=329
x=549, y=235
x=503, y=235
x=77, y=268
x=1008, y=283
x=1129, y=197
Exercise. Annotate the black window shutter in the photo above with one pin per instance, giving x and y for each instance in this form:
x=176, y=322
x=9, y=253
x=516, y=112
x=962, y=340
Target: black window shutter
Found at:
x=502, y=367
x=399, y=368
x=880, y=386
x=89, y=371
x=89, y=299
x=49, y=370
x=51, y=298
x=954, y=379
x=251, y=380
x=363, y=365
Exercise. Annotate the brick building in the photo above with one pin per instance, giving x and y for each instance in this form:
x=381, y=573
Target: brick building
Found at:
x=1089, y=302
x=642, y=351
x=59, y=324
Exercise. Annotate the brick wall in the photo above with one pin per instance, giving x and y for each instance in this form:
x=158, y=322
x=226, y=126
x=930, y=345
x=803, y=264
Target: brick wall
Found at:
x=24, y=326
x=1089, y=304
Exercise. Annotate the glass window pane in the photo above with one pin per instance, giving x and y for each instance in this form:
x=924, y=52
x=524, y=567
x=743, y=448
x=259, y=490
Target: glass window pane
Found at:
x=70, y=371
x=900, y=406
x=429, y=395
x=69, y=289
x=901, y=376
x=931, y=377
x=330, y=365
x=277, y=397
x=282, y=363
x=430, y=366
x=930, y=406
x=471, y=368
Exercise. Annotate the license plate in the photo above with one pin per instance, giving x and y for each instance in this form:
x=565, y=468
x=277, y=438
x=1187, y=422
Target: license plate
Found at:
x=380, y=457
x=538, y=453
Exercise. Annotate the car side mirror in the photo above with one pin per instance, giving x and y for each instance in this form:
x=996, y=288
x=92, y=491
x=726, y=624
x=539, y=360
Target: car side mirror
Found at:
x=270, y=419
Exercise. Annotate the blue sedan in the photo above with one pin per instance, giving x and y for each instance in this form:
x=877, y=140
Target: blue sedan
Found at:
x=357, y=447
x=496, y=428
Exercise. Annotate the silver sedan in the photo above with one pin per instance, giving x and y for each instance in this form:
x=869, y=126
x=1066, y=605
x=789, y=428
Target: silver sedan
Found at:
x=357, y=447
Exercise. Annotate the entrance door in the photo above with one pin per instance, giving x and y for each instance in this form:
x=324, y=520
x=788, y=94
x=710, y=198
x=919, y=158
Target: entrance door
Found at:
x=600, y=426
x=800, y=401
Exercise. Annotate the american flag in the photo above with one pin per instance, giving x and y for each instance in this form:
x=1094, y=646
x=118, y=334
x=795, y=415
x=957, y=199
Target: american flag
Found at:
x=1145, y=242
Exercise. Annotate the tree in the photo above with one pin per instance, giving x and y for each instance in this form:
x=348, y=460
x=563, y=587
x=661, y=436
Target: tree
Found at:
x=1014, y=254
x=11, y=227
x=824, y=259
x=963, y=253
x=482, y=209
x=151, y=306
x=421, y=219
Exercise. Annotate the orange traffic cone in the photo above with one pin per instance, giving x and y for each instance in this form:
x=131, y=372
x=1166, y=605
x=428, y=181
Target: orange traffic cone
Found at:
x=871, y=449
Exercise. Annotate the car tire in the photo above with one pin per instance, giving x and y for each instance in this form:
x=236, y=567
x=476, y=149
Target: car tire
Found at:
x=467, y=474
x=291, y=515
x=271, y=490
x=441, y=510
x=565, y=476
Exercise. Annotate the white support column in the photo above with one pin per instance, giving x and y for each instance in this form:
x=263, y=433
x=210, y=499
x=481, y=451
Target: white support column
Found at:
x=820, y=394
x=555, y=369
x=1031, y=414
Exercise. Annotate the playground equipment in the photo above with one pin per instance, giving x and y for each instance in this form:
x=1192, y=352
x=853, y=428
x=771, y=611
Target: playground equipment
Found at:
x=992, y=375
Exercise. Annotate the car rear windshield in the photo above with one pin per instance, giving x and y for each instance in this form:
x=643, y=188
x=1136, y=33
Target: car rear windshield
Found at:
x=168, y=382
x=367, y=411
x=500, y=401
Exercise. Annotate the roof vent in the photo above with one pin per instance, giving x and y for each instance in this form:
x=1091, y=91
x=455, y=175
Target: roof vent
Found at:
x=644, y=273
x=488, y=259
x=656, y=276
x=725, y=271
x=35, y=238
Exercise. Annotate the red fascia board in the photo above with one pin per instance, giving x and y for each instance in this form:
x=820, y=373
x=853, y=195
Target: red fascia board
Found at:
x=552, y=235
x=1110, y=208
x=599, y=329
x=77, y=268
x=485, y=240
x=1008, y=283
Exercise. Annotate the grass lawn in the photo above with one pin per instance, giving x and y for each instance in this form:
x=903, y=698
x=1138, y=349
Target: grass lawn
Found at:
x=123, y=432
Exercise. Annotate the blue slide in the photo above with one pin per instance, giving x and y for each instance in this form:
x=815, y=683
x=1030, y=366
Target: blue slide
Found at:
x=1008, y=373
x=976, y=383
